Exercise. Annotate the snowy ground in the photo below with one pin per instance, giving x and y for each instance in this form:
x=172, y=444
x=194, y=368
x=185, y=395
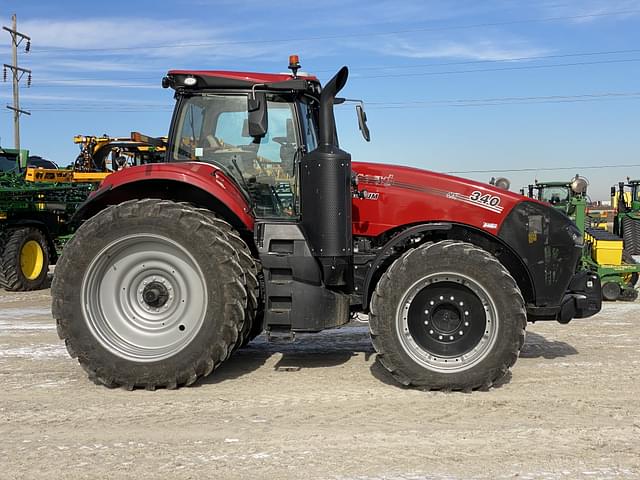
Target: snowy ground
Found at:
x=320, y=408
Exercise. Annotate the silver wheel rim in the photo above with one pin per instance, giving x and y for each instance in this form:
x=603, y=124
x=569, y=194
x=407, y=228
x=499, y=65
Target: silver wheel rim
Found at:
x=448, y=363
x=144, y=297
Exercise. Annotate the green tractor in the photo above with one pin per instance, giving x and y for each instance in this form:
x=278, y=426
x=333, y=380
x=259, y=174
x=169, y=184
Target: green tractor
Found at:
x=34, y=222
x=626, y=200
x=604, y=252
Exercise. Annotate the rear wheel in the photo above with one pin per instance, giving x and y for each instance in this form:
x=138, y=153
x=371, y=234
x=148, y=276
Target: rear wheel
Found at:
x=611, y=291
x=447, y=316
x=149, y=294
x=24, y=261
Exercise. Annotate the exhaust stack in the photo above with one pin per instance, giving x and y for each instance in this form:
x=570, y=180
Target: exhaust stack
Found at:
x=325, y=177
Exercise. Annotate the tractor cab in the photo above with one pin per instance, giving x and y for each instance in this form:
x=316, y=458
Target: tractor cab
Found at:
x=255, y=127
x=626, y=224
x=626, y=198
x=13, y=161
x=214, y=128
x=564, y=196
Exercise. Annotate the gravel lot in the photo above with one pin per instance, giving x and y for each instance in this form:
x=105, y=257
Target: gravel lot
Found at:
x=320, y=408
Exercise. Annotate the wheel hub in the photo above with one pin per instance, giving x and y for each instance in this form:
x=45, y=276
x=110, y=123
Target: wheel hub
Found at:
x=155, y=294
x=31, y=260
x=446, y=319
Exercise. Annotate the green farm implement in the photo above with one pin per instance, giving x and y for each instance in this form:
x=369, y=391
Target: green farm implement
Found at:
x=626, y=224
x=604, y=252
x=34, y=222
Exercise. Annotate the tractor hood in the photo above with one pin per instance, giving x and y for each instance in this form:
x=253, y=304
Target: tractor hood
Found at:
x=393, y=195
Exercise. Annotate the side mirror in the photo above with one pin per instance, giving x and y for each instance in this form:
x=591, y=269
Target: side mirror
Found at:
x=362, y=122
x=258, y=119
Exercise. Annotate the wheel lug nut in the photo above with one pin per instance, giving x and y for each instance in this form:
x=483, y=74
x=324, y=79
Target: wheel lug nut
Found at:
x=461, y=304
x=426, y=312
x=461, y=332
x=466, y=312
x=430, y=332
x=451, y=337
x=441, y=297
x=439, y=337
x=452, y=298
x=466, y=324
x=426, y=322
x=432, y=302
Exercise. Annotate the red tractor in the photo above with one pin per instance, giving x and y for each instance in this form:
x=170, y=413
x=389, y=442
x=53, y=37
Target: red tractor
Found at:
x=258, y=221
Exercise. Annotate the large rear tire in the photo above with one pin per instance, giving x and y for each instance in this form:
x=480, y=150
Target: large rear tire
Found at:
x=448, y=316
x=149, y=293
x=253, y=312
x=24, y=261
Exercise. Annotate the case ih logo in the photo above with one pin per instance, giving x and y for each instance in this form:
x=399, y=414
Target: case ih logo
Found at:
x=477, y=198
x=386, y=180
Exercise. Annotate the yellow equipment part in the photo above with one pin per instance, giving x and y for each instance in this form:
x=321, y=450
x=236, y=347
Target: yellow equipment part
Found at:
x=31, y=260
x=606, y=248
x=48, y=175
x=615, y=198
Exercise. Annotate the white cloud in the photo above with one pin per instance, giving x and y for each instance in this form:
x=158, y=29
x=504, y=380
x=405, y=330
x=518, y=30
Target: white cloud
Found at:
x=113, y=33
x=479, y=49
x=590, y=11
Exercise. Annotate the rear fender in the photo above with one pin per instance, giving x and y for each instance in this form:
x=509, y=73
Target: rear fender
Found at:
x=198, y=183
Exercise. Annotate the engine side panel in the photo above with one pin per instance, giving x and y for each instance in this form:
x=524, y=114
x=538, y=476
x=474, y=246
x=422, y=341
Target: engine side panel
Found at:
x=398, y=196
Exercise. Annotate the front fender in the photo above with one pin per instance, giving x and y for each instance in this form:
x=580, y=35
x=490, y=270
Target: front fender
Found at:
x=199, y=183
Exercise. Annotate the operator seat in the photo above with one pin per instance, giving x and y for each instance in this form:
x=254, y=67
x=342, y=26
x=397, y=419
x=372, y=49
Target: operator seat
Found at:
x=288, y=147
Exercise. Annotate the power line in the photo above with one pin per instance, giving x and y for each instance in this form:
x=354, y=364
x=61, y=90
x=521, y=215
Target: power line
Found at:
x=350, y=35
x=499, y=60
x=72, y=83
x=390, y=67
x=370, y=104
x=508, y=99
x=546, y=169
x=142, y=107
x=502, y=69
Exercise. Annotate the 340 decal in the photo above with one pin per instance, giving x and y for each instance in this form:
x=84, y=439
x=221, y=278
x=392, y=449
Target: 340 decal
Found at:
x=486, y=199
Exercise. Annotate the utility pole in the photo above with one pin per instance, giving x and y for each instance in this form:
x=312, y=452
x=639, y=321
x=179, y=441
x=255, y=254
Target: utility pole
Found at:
x=17, y=73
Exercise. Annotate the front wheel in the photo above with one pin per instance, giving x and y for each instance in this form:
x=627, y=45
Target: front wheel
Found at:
x=447, y=315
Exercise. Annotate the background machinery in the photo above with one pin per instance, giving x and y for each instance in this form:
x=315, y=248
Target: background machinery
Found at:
x=627, y=220
x=34, y=222
x=604, y=252
x=101, y=156
x=259, y=221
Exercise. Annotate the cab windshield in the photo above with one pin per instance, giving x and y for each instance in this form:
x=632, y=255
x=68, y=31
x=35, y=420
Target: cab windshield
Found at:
x=214, y=129
x=554, y=195
x=7, y=163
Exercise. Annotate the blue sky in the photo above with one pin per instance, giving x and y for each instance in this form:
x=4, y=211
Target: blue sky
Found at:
x=450, y=85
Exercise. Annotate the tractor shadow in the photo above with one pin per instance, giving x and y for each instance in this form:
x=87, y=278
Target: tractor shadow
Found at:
x=537, y=346
x=320, y=350
x=335, y=347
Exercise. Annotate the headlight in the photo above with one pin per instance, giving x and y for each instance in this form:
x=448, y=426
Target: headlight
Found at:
x=576, y=236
